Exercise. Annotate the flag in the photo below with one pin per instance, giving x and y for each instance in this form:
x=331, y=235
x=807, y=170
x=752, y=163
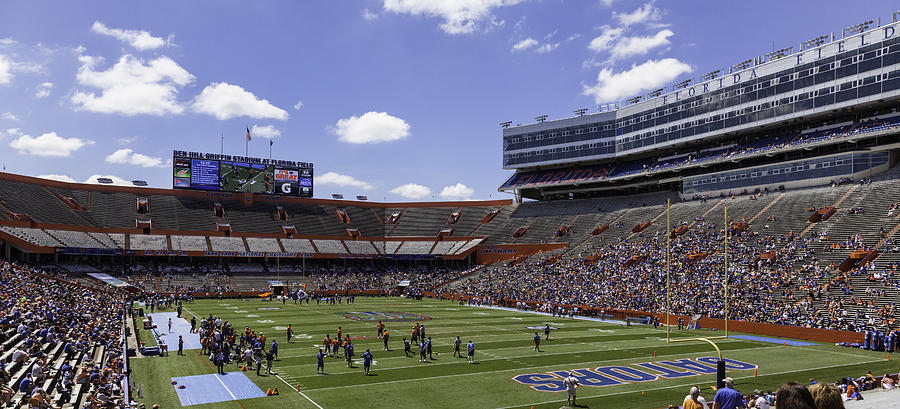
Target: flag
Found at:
x=271, y=142
x=248, y=135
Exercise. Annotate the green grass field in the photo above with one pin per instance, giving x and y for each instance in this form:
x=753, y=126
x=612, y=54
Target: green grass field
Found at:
x=504, y=350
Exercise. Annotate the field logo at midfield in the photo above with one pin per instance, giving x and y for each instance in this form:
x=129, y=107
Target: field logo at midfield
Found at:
x=385, y=316
x=635, y=373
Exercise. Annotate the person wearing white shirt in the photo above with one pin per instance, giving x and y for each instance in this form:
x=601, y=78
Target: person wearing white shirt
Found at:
x=761, y=401
x=571, y=383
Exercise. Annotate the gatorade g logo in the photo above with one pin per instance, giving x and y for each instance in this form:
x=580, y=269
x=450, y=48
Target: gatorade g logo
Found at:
x=285, y=187
x=385, y=316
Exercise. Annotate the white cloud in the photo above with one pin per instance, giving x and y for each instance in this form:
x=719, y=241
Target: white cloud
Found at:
x=127, y=140
x=546, y=48
x=530, y=43
x=411, y=191
x=139, y=39
x=5, y=42
x=460, y=16
x=58, y=178
x=337, y=179
x=651, y=74
x=371, y=127
x=48, y=144
x=606, y=38
x=129, y=157
x=607, y=3
x=225, y=101
x=369, y=15
x=525, y=44
x=43, y=90
x=298, y=105
x=13, y=132
x=131, y=87
x=622, y=47
x=9, y=116
x=92, y=180
x=631, y=46
x=457, y=191
x=268, y=131
x=644, y=14
x=8, y=67
x=5, y=69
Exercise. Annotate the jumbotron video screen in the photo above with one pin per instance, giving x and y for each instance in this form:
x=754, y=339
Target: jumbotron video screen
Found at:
x=227, y=173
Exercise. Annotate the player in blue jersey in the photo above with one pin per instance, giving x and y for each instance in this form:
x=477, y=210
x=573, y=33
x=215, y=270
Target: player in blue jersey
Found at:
x=320, y=361
x=470, y=348
x=537, y=342
x=367, y=361
x=348, y=354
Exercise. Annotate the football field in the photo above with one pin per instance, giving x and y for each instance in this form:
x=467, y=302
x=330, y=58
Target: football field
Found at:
x=618, y=366
x=241, y=180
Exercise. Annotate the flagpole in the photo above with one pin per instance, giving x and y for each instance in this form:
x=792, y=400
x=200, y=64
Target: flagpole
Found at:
x=270, y=149
x=222, y=145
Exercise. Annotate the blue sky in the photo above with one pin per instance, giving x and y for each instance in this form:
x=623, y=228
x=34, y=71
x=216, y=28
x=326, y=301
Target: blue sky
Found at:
x=394, y=99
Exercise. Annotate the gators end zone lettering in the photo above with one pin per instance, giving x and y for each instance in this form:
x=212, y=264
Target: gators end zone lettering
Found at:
x=636, y=373
x=385, y=316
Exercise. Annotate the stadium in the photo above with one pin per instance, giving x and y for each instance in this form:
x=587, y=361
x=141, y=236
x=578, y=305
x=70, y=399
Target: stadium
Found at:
x=733, y=231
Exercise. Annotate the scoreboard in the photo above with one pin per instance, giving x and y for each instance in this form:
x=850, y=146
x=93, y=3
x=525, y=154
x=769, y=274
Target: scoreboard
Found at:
x=228, y=173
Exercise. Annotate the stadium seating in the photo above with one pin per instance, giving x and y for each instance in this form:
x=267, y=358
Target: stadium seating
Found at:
x=148, y=242
x=36, y=236
x=227, y=244
x=189, y=243
x=260, y=244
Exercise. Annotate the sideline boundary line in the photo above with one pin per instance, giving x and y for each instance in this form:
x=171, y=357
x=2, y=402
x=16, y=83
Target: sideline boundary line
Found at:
x=298, y=391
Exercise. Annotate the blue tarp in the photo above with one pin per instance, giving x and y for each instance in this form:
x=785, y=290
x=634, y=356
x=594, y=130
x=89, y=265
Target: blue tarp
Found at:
x=773, y=340
x=180, y=326
x=211, y=388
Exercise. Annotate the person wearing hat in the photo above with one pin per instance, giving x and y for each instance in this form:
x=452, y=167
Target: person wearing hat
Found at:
x=727, y=397
x=693, y=400
x=761, y=401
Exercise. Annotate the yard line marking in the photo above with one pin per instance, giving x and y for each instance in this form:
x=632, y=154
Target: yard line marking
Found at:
x=226, y=388
x=684, y=385
x=298, y=391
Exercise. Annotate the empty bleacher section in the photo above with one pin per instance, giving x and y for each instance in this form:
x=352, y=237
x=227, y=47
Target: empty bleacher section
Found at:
x=360, y=247
x=109, y=240
x=227, y=244
x=260, y=244
x=189, y=243
x=297, y=246
x=330, y=246
x=35, y=236
x=415, y=247
x=443, y=247
x=390, y=247
x=148, y=242
x=75, y=239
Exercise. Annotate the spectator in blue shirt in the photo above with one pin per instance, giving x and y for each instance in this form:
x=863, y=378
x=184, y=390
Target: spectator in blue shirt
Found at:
x=25, y=385
x=727, y=397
